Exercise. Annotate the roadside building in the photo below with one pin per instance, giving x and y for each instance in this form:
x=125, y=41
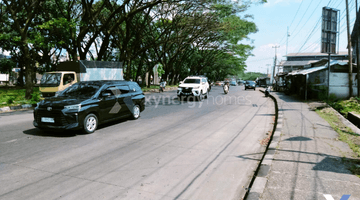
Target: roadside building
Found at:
x=314, y=82
x=263, y=81
x=297, y=61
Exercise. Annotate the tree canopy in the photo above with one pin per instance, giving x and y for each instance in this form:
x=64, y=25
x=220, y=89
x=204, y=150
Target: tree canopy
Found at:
x=185, y=37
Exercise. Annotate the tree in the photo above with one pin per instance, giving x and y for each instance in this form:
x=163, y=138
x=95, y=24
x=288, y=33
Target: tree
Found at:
x=6, y=65
x=17, y=21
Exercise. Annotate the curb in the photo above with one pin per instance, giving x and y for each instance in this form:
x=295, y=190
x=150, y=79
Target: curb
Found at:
x=259, y=180
x=157, y=90
x=346, y=121
x=14, y=108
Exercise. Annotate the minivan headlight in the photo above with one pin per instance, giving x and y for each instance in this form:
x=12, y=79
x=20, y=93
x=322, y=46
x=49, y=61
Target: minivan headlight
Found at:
x=196, y=87
x=74, y=107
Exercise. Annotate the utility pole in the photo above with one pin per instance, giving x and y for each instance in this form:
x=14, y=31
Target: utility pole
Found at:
x=273, y=75
x=349, y=50
x=287, y=39
x=357, y=52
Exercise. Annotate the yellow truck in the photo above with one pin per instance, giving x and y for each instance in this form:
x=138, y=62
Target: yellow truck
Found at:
x=68, y=73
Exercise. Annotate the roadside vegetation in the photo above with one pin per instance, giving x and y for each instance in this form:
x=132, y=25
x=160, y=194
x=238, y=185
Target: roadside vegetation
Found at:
x=345, y=134
x=184, y=37
x=15, y=96
x=346, y=106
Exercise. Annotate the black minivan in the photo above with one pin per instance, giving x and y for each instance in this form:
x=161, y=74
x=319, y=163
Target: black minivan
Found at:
x=87, y=104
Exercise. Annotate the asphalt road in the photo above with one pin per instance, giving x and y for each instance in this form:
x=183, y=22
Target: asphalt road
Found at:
x=176, y=150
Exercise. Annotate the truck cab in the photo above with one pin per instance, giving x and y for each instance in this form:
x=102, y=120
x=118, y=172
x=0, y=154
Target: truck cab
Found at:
x=52, y=82
x=70, y=72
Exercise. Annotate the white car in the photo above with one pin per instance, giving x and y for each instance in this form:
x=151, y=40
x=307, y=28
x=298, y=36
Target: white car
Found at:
x=195, y=86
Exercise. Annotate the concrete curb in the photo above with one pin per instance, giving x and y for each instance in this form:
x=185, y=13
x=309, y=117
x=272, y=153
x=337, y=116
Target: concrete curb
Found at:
x=157, y=90
x=346, y=121
x=14, y=108
x=259, y=180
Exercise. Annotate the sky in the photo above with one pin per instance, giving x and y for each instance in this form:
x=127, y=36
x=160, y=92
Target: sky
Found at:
x=302, y=18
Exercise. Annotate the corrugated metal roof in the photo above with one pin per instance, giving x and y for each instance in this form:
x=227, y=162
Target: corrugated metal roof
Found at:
x=341, y=53
x=315, y=69
x=296, y=63
x=307, y=71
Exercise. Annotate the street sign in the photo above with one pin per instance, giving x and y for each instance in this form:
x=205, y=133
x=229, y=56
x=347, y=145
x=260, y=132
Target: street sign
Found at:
x=329, y=30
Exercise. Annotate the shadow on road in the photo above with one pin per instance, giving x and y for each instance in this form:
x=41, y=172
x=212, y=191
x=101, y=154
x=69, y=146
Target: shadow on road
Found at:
x=50, y=133
x=328, y=163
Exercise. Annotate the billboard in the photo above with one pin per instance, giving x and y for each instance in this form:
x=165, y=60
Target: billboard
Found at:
x=329, y=30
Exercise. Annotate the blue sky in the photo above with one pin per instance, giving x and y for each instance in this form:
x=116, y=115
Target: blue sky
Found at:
x=301, y=16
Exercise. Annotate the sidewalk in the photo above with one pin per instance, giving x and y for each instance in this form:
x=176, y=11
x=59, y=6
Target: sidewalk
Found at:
x=307, y=160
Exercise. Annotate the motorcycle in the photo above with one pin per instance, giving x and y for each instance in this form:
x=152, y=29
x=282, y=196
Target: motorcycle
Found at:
x=162, y=86
x=226, y=88
x=161, y=89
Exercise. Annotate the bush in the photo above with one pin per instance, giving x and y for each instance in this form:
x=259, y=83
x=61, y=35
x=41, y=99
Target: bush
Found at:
x=10, y=100
x=35, y=97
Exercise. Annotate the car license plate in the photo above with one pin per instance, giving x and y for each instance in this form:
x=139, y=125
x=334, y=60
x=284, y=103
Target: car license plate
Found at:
x=47, y=119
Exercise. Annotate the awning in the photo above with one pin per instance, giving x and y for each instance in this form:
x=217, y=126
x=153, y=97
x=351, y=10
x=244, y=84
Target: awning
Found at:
x=315, y=69
x=296, y=63
x=307, y=71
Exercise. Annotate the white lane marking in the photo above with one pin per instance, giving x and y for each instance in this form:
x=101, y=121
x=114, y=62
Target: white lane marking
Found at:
x=10, y=141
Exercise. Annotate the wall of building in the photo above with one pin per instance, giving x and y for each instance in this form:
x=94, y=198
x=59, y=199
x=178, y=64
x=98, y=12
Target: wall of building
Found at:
x=339, y=85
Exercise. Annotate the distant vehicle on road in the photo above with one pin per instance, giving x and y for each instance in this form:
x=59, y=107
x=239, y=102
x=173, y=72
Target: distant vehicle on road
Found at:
x=85, y=105
x=218, y=83
x=195, y=86
x=233, y=83
x=250, y=85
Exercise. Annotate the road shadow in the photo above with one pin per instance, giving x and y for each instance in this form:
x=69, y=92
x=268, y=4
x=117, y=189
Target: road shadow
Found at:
x=328, y=162
x=69, y=133
x=51, y=133
x=298, y=138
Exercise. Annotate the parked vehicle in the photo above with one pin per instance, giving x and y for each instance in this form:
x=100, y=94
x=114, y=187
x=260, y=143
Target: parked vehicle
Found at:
x=250, y=85
x=87, y=104
x=68, y=73
x=195, y=86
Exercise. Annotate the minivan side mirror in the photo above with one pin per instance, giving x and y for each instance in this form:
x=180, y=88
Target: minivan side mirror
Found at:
x=181, y=82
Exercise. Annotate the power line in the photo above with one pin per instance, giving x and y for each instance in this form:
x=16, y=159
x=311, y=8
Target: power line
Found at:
x=307, y=20
x=316, y=27
x=293, y=19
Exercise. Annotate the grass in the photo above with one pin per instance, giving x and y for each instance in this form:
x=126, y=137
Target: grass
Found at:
x=345, y=135
x=346, y=106
x=15, y=96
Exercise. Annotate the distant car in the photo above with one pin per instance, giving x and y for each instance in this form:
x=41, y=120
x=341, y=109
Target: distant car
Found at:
x=233, y=83
x=250, y=85
x=218, y=83
x=196, y=86
x=87, y=104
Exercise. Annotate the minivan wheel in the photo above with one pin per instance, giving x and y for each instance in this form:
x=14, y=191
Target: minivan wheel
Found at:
x=136, y=112
x=90, y=123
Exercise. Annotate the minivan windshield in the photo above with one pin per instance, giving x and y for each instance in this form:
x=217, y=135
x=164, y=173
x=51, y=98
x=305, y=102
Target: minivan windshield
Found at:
x=50, y=80
x=83, y=90
x=192, y=80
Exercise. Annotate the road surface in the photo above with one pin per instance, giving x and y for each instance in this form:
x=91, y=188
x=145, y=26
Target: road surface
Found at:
x=176, y=150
